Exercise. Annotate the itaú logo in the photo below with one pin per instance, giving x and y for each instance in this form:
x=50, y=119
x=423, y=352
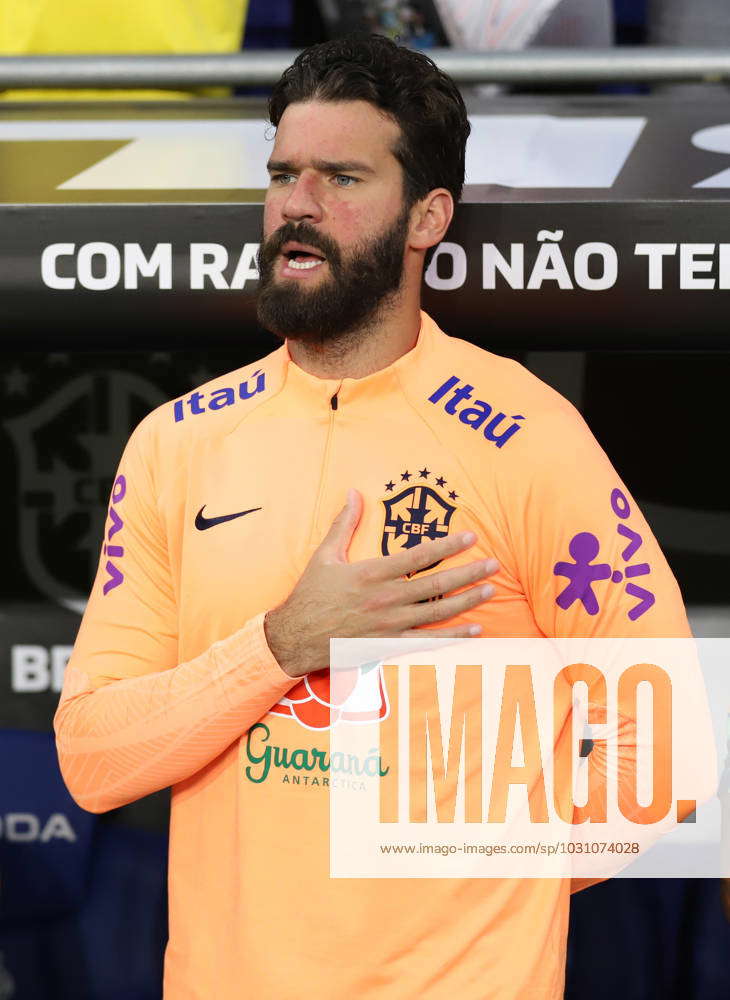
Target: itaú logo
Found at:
x=24, y=828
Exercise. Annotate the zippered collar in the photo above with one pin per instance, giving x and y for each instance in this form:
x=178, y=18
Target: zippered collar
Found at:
x=314, y=391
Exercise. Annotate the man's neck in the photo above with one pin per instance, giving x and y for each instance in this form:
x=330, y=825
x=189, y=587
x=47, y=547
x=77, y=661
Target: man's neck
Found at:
x=361, y=352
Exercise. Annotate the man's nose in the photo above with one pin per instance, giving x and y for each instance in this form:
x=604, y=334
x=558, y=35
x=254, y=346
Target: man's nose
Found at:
x=302, y=201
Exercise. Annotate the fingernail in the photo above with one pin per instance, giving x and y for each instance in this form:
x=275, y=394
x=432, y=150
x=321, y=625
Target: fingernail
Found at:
x=475, y=629
x=488, y=590
x=468, y=538
x=491, y=566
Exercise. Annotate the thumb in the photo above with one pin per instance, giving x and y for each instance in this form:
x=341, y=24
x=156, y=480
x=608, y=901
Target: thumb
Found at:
x=337, y=540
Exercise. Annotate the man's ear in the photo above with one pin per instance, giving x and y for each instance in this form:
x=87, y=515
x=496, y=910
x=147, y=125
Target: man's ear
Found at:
x=430, y=218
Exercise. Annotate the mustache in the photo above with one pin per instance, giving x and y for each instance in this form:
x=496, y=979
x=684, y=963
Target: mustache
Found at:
x=301, y=233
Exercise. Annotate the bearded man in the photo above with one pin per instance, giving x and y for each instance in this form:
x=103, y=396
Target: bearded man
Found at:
x=367, y=478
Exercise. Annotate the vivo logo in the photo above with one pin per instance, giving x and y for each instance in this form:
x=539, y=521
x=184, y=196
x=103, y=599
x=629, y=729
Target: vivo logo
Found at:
x=114, y=551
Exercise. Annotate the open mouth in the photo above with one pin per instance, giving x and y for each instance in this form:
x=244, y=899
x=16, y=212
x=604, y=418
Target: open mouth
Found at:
x=301, y=258
x=303, y=261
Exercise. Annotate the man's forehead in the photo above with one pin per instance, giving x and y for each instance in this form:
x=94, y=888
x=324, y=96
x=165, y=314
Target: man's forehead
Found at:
x=335, y=131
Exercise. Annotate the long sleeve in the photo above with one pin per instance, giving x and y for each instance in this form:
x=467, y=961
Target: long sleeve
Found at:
x=592, y=567
x=135, y=735
x=131, y=719
x=587, y=557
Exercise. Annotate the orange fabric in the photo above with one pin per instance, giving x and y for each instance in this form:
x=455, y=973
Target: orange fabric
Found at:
x=171, y=669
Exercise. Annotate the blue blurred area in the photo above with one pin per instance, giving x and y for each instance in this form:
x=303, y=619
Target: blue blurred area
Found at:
x=631, y=18
x=45, y=839
x=630, y=12
x=269, y=24
x=649, y=939
x=111, y=947
x=83, y=904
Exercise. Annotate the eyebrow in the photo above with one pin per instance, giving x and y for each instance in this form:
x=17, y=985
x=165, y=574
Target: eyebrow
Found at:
x=323, y=166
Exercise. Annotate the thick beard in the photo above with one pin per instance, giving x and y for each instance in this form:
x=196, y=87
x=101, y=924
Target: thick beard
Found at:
x=352, y=297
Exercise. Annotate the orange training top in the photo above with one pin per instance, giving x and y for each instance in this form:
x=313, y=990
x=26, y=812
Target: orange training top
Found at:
x=220, y=499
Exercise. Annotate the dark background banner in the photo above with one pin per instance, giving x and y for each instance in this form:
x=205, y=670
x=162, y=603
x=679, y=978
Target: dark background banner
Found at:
x=544, y=294
x=103, y=245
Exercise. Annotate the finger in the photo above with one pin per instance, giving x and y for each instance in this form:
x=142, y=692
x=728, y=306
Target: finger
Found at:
x=420, y=556
x=449, y=607
x=455, y=632
x=336, y=542
x=447, y=580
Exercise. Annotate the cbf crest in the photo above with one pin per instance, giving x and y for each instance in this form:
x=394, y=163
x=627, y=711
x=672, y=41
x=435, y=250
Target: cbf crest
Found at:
x=67, y=447
x=417, y=509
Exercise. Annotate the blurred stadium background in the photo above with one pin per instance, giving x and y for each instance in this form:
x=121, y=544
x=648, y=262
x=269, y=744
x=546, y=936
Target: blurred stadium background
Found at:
x=130, y=220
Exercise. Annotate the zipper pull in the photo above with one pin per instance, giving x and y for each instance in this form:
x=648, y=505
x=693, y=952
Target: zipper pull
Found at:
x=333, y=402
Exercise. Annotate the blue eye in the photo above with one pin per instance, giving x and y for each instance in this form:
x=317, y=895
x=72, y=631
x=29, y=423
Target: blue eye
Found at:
x=281, y=178
x=345, y=177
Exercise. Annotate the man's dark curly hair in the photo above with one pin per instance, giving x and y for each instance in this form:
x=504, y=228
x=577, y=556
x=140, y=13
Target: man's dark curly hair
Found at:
x=406, y=85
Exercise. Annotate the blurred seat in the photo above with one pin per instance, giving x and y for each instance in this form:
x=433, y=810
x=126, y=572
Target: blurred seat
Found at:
x=84, y=27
